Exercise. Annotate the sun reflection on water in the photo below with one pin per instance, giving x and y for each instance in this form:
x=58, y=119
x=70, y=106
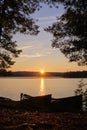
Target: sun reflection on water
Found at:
x=42, y=87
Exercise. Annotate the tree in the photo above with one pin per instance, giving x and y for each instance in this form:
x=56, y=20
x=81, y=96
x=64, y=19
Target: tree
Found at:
x=81, y=90
x=15, y=16
x=70, y=31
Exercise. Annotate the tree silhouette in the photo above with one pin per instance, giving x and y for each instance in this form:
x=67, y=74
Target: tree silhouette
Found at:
x=82, y=90
x=70, y=31
x=15, y=16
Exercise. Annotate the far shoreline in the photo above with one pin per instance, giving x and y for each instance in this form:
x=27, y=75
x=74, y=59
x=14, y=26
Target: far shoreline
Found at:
x=32, y=74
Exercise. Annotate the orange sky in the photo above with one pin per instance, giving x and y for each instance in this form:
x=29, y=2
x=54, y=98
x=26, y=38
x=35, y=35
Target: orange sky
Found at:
x=37, y=51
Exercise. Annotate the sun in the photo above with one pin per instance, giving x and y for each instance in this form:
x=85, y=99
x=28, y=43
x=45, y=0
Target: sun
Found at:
x=42, y=71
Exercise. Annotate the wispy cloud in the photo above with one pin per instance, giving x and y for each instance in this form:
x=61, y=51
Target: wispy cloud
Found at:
x=37, y=54
x=47, y=18
x=25, y=47
x=31, y=55
x=45, y=21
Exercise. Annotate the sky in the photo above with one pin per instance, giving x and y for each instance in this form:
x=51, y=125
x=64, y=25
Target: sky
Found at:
x=37, y=52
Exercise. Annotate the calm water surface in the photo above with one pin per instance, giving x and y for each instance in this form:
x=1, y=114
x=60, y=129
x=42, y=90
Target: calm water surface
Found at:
x=58, y=87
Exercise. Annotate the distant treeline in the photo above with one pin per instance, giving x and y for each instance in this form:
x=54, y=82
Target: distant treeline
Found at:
x=73, y=74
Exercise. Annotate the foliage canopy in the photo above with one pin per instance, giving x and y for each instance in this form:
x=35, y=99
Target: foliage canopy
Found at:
x=14, y=17
x=70, y=31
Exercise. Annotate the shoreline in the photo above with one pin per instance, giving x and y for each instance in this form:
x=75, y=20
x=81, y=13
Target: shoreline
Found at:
x=12, y=117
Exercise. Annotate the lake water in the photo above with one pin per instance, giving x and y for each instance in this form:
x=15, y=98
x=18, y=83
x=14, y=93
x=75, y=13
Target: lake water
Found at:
x=58, y=87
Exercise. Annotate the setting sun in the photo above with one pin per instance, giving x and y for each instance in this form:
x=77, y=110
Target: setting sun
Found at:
x=42, y=71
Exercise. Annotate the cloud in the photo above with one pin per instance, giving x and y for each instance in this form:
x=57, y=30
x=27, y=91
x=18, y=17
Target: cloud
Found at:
x=31, y=55
x=37, y=53
x=25, y=47
x=45, y=21
x=47, y=18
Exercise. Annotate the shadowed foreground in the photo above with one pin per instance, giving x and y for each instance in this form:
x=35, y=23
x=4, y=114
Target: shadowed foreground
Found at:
x=42, y=113
x=43, y=103
x=24, y=120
